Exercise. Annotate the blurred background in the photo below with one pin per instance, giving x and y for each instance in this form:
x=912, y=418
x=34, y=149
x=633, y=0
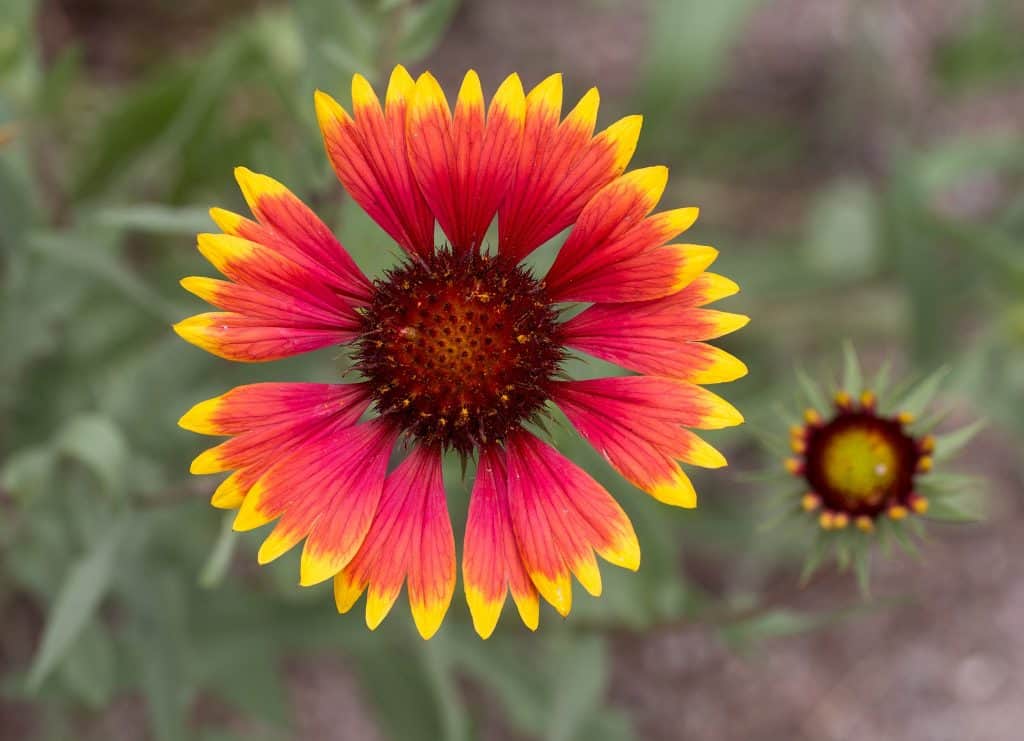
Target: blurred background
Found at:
x=859, y=163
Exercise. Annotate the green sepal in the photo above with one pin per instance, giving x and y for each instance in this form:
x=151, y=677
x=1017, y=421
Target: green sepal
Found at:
x=921, y=395
x=813, y=394
x=853, y=379
x=880, y=381
x=950, y=443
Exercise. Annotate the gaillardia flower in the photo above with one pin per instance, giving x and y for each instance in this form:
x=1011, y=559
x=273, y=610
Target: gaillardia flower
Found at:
x=459, y=348
x=864, y=464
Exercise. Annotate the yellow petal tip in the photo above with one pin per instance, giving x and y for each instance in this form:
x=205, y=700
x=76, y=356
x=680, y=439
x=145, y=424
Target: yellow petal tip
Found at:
x=677, y=491
x=200, y=418
x=314, y=570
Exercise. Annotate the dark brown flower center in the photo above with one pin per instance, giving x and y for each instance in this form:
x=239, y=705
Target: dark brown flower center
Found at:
x=459, y=349
x=860, y=463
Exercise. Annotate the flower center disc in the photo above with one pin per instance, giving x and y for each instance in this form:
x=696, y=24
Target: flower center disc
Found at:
x=459, y=349
x=860, y=463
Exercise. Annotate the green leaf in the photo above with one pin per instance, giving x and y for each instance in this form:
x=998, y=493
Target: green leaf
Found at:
x=770, y=624
x=255, y=687
x=842, y=241
x=154, y=218
x=130, y=129
x=97, y=443
x=607, y=724
x=220, y=557
x=16, y=207
x=502, y=666
x=688, y=49
x=27, y=474
x=579, y=690
x=438, y=668
x=76, y=602
x=157, y=602
x=83, y=255
x=88, y=669
x=422, y=26
x=402, y=693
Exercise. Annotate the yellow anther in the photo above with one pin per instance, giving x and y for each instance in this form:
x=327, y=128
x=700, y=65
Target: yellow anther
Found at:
x=868, y=399
x=826, y=520
x=897, y=512
x=842, y=399
x=865, y=523
x=927, y=444
x=919, y=504
x=798, y=445
x=810, y=501
x=522, y=339
x=793, y=465
x=840, y=520
x=812, y=416
x=905, y=418
x=924, y=464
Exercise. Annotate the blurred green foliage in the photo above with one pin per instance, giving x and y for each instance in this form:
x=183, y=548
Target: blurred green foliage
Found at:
x=146, y=589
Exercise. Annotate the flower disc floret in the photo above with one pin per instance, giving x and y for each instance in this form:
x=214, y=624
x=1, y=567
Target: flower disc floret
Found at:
x=858, y=464
x=459, y=350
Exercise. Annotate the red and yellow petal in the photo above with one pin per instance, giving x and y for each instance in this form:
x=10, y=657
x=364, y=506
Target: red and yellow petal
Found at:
x=704, y=289
x=612, y=212
x=303, y=237
x=259, y=444
x=274, y=308
x=254, y=339
x=463, y=162
x=325, y=491
x=665, y=336
x=636, y=423
x=313, y=271
x=262, y=404
x=277, y=308
x=561, y=166
x=410, y=541
x=272, y=421
x=561, y=517
x=264, y=268
x=369, y=154
x=640, y=276
x=615, y=253
x=491, y=564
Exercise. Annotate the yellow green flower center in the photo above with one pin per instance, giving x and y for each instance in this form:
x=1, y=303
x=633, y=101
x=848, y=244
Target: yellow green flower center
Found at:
x=860, y=464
